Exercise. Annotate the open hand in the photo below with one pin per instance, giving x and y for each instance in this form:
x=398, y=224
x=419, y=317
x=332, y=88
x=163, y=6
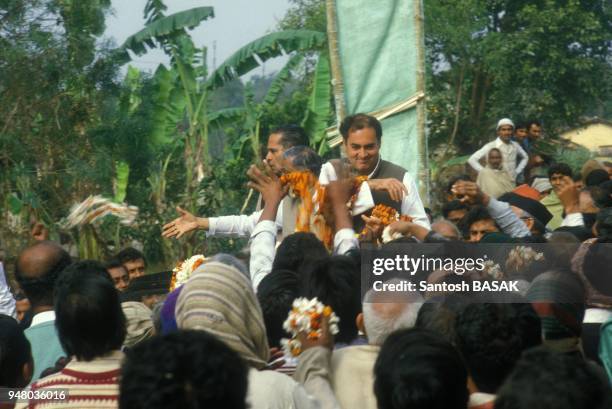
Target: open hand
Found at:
x=185, y=223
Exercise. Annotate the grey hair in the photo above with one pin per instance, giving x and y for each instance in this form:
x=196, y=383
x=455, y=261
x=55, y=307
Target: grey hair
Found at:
x=231, y=261
x=378, y=328
x=450, y=224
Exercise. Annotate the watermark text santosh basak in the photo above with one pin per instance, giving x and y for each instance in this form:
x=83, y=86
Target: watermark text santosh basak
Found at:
x=424, y=286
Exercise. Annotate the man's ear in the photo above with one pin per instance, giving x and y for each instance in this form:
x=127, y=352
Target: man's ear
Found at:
x=359, y=323
x=529, y=222
x=26, y=372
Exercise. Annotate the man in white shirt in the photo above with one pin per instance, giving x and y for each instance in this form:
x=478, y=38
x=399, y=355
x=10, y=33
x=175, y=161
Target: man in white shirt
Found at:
x=509, y=149
x=387, y=183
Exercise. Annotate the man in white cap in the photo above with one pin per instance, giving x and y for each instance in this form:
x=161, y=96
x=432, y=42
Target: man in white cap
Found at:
x=509, y=149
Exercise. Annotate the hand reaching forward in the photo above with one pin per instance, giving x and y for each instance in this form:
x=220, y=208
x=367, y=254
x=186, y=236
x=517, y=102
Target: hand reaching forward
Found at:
x=469, y=192
x=185, y=223
x=266, y=183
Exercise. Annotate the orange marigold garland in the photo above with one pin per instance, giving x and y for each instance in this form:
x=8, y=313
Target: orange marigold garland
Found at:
x=306, y=316
x=183, y=270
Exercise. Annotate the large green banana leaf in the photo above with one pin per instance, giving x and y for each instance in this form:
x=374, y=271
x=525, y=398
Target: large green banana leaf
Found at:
x=319, y=105
x=271, y=45
x=278, y=84
x=161, y=28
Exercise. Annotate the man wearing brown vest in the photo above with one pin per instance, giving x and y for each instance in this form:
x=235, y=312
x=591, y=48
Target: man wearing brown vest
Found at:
x=387, y=183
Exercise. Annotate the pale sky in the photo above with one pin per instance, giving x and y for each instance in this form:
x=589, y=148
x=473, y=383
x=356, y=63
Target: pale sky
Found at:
x=236, y=23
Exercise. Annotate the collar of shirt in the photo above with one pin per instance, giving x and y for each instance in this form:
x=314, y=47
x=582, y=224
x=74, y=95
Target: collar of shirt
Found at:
x=43, y=317
x=108, y=362
x=500, y=143
x=375, y=168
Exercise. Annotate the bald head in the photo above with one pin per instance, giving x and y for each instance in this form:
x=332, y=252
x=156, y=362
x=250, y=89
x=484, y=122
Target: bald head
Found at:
x=37, y=268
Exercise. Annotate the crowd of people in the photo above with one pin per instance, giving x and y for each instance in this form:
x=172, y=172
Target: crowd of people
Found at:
x=113, y=335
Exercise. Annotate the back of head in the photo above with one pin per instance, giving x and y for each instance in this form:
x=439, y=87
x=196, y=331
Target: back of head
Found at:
x=89, y=319
x=419, y=369
x=385, y=312
x=275, y=294
x=304, y=159
x=335, y=281
x=604, y=225
x=297, y=250
x=548, y=380
x=14, y=354
x=37, y=269
x=233, y=261
x=596, y=177
x=360, y=121
x=491, y=342
x=186, y=369
x=438, y=314
x=293, y=135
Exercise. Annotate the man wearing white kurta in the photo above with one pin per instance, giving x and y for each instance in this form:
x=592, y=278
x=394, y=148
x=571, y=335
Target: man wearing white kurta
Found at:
x=509, y=149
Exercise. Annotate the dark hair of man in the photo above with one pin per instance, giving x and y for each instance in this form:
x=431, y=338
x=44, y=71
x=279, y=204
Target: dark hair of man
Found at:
x=596, y=266
x=293, y=135
x=276, y=293
x=304, y=158
x=419, y=369
x=559, y=168
x=183, y=369
x=36, y=276
x=533, y=122
x=456, y=179
x=604, y=225
x=357, y=122
x=476, y=214
x=521, y=125
x=14, y=353
x=453, y=205
x=336, y=281
x=92, y=266
x=490, y=341
x=596, y=177
x=89, y=319
x=113, y=263
x=546, y=379
x=298, y=250
x=439, y=313
x=130, y=254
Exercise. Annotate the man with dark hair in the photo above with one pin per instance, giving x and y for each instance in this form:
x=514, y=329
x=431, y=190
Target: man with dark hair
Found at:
x=521, y=134
x=91, y=328
x=556, y=173
x=186, y=369
x=548, y=380
x=419, y=369
x=118, y=273
x=15, y=355
x=275, y=294
x=149, y=289
x=387, y=183
x=476, y=223
x=534, y=130
x=282, y=139
x=36, y=270
x=242, y=226
x=454, y=211
x=133, y=261
x=335, y=281
x=491, y=341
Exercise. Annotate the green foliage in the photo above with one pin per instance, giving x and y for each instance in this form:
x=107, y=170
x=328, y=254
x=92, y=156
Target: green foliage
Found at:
x=264, y=48
x=162, y=29
x=319, y=111
x=547, y=59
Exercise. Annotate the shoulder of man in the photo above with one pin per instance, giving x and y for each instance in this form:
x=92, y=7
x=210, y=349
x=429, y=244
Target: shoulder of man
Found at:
x=390, y=169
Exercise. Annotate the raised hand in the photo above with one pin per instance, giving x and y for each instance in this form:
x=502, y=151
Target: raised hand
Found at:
x=469, y=192
x=266, y=183
x=185, y=223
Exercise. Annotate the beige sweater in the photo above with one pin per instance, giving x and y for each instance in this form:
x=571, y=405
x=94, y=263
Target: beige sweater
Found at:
x=352, y=370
